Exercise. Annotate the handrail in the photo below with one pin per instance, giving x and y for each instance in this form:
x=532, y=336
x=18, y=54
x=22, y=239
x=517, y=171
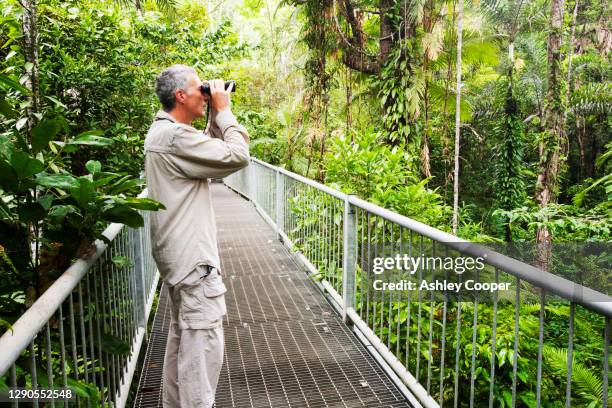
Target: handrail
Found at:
x=565, y=288
x=32, y=321
x=96, y=313
x=335, y=193
x=557, y=285
x=322, y=226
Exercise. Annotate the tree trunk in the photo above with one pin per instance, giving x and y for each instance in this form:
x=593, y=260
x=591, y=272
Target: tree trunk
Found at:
x=425, y=158
x=457, y=118
x=570, y=52
x=445, y=127
x=387, y=33
x=323, y=138
x=553, y=140
x=510, y=112
x=30, y=54
x=354, y=54
x=580, y=140
x=349, y=102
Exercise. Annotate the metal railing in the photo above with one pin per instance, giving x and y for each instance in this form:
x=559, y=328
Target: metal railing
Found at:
x=435, y=344
x=86, y=330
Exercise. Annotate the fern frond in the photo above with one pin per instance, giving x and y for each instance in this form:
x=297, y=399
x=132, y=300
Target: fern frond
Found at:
x=588, y=384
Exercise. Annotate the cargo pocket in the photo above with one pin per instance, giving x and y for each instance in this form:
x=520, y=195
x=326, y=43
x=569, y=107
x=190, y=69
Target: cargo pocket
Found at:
x=203, y=303
x=213, y=284
x=214, y=289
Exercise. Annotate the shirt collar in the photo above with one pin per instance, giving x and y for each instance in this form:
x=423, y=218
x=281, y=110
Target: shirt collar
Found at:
x=161, y=114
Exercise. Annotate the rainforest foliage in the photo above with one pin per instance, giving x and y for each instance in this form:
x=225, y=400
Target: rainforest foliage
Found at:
x=381, y=73
x=358, y=94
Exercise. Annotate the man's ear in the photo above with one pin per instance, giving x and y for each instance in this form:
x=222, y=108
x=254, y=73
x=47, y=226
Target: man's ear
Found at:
x=179, y=96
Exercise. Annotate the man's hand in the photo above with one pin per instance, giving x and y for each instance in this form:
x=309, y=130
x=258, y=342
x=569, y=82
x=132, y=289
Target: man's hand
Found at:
x=219, y=97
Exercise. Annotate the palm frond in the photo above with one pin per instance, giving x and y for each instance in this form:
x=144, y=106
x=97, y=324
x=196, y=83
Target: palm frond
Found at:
x=592, y=99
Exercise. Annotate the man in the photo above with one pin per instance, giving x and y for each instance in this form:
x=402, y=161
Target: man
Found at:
x=179, y=160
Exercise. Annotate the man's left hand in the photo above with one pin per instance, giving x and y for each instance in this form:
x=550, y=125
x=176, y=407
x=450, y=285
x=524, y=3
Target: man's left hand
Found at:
x=219, y=97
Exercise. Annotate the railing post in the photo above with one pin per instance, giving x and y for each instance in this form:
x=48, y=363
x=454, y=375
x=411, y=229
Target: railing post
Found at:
x=247, y=188
x=280, y=207
x=139, y=276
x=251, y=187
x=349, y=259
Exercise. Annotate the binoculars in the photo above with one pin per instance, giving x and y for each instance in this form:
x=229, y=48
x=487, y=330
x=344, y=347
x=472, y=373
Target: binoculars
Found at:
x=205, y=89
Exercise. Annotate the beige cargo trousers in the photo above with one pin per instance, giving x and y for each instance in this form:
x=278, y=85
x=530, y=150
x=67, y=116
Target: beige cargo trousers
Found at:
x=194, y=351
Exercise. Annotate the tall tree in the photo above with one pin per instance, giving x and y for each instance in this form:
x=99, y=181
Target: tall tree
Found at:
x=508, y=18
x=553, y=138
x=457, y=118
x=30, y=54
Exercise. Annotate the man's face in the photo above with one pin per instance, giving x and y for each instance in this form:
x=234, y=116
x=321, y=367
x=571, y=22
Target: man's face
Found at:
x=191, y=98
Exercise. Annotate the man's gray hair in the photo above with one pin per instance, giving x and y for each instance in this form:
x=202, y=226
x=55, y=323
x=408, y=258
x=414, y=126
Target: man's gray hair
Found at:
x=173, y=78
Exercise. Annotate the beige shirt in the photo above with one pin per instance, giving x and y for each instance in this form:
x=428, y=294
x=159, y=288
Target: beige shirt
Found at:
x=179, y=160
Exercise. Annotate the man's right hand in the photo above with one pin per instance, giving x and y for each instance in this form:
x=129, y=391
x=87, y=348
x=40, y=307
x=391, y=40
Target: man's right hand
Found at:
x=219, y=97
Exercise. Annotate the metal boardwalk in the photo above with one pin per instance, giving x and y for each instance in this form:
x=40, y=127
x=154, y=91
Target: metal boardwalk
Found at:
x=284, y=344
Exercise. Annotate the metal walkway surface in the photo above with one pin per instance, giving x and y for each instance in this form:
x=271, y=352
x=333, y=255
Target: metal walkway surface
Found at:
x=284, y=344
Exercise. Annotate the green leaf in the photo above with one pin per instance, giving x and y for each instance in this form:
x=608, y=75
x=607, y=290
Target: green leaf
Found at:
x=103, y=180
x=56, y=102
x=4, y=389
x=69, y=148
x=45, y=201
x=5, y=211
x=124, y=215
x=59, y=212
x=9, y=83
x=43, y=132
x=6, y=146
x=63, y=181
x=528, y=399
x=6, y=109
x=507, y=395
x=8, y=177
x=144, y=204
x=83, y=191
x=501, y=356
x=91, y=138
x=85, y=390
x=31, y=212
x=122, y=261
x=93, y=166
x=78, y=388
x=24, y=165
x=125, y=184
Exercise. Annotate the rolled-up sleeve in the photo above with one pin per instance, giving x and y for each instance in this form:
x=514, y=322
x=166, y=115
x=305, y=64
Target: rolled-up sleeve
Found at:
x=199, y=155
